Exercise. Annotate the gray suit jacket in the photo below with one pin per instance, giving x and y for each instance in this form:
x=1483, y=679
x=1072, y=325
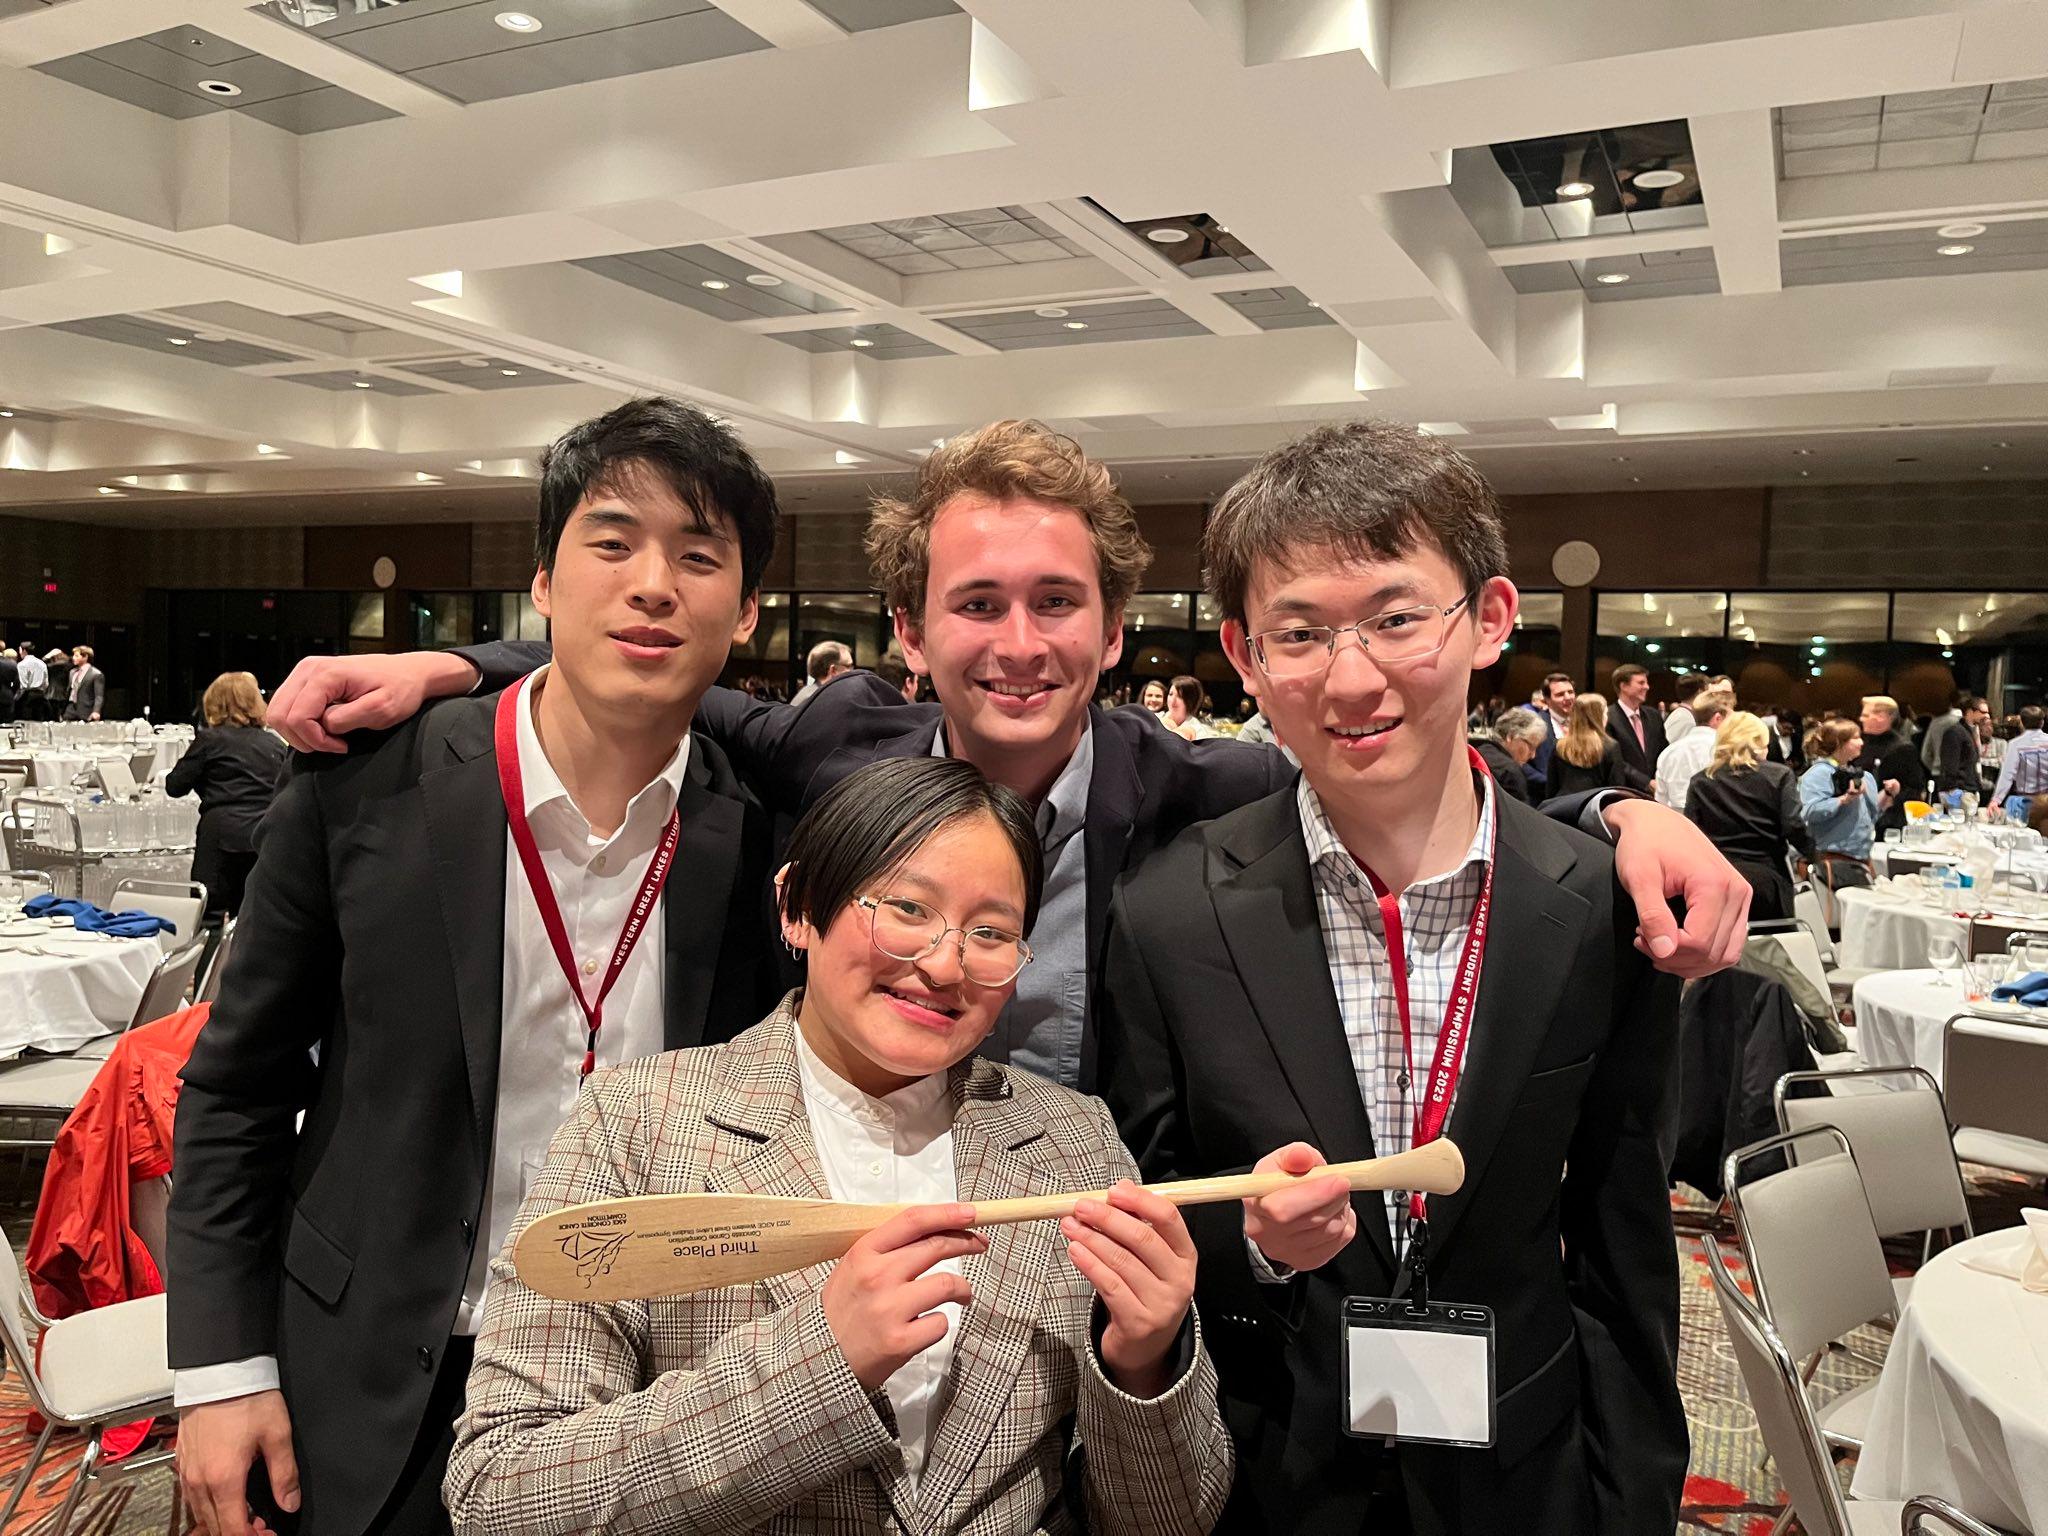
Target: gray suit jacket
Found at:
x=89, y=698
x=734, y=1410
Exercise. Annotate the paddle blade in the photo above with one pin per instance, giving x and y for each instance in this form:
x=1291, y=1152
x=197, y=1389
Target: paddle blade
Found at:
x=670, y=1245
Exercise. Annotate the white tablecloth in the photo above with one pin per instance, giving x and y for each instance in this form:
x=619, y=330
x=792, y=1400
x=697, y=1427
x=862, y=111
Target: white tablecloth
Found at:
x=1891, y=933
x=2024, y=861
x=1961, y=1408
x=81, y=987
x=1900, y=1014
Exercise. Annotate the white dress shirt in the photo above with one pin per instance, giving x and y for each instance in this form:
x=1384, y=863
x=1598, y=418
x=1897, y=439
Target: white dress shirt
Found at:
x=1677, y=763
x=895, y=1150
x=541, y=1037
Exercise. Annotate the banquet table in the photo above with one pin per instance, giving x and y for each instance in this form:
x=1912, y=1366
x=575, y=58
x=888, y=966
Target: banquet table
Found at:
x=1961, y=1407
x=1900, y=1014
x=2024, y=861
x=59, y=988
x=1885, y=932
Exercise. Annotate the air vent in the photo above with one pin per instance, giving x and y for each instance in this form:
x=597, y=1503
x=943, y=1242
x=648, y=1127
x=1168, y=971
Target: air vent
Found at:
x=1921, y=378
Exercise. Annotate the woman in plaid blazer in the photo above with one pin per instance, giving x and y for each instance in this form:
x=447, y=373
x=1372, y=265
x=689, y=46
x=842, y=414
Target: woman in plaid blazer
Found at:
x=1042, y=1377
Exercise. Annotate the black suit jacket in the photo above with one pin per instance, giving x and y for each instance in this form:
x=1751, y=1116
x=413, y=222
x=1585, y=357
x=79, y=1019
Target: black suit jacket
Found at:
x=373, y=929
x=1638, y=762
x=1223, y=1040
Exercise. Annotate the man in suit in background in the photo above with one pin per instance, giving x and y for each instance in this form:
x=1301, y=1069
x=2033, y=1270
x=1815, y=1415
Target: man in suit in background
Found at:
x=87, y=686
x=1268, y=970
x=1007, y=568
x=827, y=659
x=1554, y=712
x=1637, y=729
x=439, y=917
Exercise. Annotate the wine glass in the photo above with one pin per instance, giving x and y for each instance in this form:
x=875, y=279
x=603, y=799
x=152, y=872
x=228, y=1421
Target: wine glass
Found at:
x=1944, y=954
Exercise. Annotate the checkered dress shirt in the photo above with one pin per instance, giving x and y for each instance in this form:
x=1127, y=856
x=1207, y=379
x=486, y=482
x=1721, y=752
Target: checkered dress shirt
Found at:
x=1436, y=916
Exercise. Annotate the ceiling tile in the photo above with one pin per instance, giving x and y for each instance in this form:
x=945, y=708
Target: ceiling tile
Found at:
x=677, y=40
x=192, y=43
x=868, y=15
x=1929, y=125
x=1827, y=135
x=419, y=39
x=2012, y=146
x=318, y=110
x=124, y=85
x=1828, y=162
x=1910, y=152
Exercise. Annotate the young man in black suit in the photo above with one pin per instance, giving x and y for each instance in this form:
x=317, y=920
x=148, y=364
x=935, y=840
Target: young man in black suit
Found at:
x=1007, y=568
x=444, y=933
x=1637, y=728
x=1292, y=983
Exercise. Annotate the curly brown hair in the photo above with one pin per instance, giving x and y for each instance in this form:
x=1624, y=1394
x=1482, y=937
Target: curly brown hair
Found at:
x=1005, y=459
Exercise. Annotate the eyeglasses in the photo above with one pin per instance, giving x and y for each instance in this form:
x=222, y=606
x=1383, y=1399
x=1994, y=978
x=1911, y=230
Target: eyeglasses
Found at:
x=904, y=928
x=1396, y=637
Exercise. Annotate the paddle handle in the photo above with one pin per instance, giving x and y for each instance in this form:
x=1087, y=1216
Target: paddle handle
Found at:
x=1437, y=1168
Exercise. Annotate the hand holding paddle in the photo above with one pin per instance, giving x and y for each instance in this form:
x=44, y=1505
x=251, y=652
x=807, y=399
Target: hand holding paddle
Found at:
x=882, y=1300
x=666, y=1245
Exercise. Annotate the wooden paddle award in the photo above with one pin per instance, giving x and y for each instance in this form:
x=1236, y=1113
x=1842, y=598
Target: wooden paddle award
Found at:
x=670, y=1245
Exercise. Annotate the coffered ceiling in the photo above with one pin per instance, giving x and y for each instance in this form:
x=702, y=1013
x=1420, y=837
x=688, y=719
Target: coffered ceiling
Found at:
x=251, y=255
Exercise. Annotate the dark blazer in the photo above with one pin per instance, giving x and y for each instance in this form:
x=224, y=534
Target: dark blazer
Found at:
x=1570, y=779
x=1752, y=815
x=91, y=697
x=1893, y=756
x=235, y=770
x=1507, y=773
x=1224, y=1041
x=1960, y=756
x=1638, y=763
x=373, y=929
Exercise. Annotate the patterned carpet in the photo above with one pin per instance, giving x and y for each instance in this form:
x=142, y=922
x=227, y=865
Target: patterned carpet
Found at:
x=1731, y=1487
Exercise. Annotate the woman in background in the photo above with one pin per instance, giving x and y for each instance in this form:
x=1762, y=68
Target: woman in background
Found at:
x=1183, y=706
x=1154, y=697
x=234, y=765
x=1841, y=805
x=1749, y=809
x=1586, y=756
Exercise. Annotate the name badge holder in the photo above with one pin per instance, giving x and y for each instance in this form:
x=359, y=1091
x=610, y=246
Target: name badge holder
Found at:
x=1418, y=1371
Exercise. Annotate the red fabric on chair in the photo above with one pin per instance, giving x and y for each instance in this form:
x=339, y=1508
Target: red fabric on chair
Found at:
x=83, y=1251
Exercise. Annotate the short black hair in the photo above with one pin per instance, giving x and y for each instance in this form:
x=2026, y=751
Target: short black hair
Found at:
x=698, y=457
x=1361, y=490
x=875, y=818
x=1557, y=677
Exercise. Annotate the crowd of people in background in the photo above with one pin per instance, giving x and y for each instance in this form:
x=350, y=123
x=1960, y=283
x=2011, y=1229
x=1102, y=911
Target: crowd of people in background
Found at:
x=1764, y=784
x=58, y=685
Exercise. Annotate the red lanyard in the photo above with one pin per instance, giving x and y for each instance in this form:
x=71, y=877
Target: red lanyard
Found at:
x=1435, y=1105
x=544, y=891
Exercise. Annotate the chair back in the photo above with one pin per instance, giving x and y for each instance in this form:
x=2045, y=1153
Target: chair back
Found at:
x=1783, y=1415
x=1945, y=1517
x=21, y=1352
x=1807, y=909
x=1812, y=1244
x=1900, y=1141
x=209, y=986
x=180, y=902
x=1991, y=1073
x=1802, y=952
x=168, y=984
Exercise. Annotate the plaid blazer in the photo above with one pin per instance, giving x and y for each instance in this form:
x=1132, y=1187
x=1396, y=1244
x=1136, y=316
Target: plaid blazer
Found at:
x=733, y=1410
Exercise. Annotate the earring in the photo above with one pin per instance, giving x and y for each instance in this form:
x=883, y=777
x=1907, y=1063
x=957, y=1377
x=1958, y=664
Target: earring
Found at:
x=796, y=952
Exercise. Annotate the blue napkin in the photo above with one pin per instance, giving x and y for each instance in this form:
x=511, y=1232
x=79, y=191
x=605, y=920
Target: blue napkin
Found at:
x=2031, y=989
x=87, y=918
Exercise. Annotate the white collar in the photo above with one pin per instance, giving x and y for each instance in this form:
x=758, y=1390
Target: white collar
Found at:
x=543, y=786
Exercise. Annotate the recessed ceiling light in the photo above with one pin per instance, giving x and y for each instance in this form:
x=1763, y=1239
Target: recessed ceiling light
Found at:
x=1804, y=453
x=1312, y=304
x=1621, y=458
x=1804, y=473
x=715, y=284
x=510, y=373
x=1656, y=180
x=361, y=383
x=938, y=442
x=265, y=448
x=220, y=88
x=1077, y=325
x=517, y=21
x=1576, y=189
x=841, y=456
x=861, y=341
x=108, y=490
x=764, y=279
x=1166, y=234
x=178, y=341
x=2001, y=445
x=1050, y=312
x=1985, y=467
x=1611, y=278
x=1960, y=231
x=6, y=413
x=1953, y=250
x=1635, y=479
x=423, y=477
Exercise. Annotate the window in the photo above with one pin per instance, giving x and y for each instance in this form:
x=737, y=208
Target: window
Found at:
x=1992, y=643
x=1669, y=633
